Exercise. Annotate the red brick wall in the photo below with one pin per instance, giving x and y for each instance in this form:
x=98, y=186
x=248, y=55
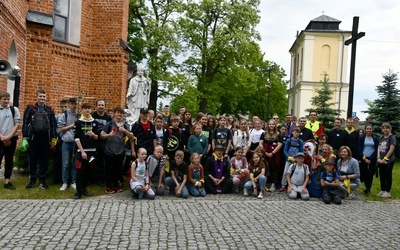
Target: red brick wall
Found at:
x=99, y=63
x=12, y=28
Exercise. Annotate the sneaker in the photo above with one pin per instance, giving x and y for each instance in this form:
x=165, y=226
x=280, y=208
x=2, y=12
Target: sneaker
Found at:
x=73, y=186
x=245, y=192
x=64, y=187
x=260, y=195
x=117, y=190
x=110, y=191
x=236, y=189
x=367, y=191
x=282, y=189
x=351, y=195
x=43, y=185
x=272, y=188
x=77, y=196
x=9, y=186
x=31, y=185
x=380, y=193
x=386, y=195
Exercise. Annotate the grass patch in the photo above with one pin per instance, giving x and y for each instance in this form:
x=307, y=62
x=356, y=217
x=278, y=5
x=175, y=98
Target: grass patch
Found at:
x=376, y=186
x=21, y=180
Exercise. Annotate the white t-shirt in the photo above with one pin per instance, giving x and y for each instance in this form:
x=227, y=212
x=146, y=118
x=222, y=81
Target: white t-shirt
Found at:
x=298, y=175
x=255, y=135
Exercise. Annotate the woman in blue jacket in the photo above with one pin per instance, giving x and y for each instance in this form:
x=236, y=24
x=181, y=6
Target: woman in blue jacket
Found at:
x=367, y=151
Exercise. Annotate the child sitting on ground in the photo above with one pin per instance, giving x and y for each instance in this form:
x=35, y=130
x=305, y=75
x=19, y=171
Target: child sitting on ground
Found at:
x=156, y=166
x=297, y=177
x=195, y=182
x=177, y=181
x=330, y=183
x=239, y=169
x=140, y=177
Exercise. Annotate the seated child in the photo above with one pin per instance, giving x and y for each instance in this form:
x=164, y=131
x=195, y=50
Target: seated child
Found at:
x=140, y=177
x=330, y=183
x=239, y=169
x=177, y=181
x=257, y=177
x=297, y=177
x=156, y=166
x=195, y=183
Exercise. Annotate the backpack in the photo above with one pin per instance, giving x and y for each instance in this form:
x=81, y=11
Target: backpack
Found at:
x=40, y=123
x=293, y=166
x=114, y=146
x=12, y=111
x=397, y=148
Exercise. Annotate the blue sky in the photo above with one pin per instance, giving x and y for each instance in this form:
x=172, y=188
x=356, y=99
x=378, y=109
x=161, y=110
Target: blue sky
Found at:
x=377, y=52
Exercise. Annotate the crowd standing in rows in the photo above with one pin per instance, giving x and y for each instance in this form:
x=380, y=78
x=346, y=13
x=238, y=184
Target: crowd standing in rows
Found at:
x=196, y=156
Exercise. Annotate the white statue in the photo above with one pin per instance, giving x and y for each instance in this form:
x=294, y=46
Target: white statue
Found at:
x=138, y=94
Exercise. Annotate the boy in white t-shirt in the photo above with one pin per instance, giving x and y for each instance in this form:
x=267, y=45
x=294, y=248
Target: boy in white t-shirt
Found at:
x=297, y=177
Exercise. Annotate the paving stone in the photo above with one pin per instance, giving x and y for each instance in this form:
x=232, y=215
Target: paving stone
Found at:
x=213, y=222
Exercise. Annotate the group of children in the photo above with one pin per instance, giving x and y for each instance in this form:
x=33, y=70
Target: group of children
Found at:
x=153, y=175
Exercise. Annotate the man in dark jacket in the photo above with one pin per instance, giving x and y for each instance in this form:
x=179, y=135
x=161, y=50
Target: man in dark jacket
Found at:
x=39, y=131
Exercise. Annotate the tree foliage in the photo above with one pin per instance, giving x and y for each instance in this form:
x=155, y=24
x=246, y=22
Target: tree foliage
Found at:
x=221, y=67
x=386, y=107
x=152, y=36
x=323, y=105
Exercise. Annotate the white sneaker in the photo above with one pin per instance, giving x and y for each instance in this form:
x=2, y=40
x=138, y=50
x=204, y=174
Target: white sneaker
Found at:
x=64, y=187
x=351, y=195
x=245, y=192
x=73, y=185
x=272, y=188
x=386, y=195
x=380, y=193
x=260, y=195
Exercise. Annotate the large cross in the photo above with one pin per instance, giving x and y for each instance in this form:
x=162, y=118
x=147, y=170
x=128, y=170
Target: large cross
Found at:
x=353, y=40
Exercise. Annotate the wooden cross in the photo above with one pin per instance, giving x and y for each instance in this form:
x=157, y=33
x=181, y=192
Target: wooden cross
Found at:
x=353, y=40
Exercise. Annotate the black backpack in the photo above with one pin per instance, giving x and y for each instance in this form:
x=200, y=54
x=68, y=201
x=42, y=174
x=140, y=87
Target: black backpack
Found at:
x=40, y=123
x=397, y=148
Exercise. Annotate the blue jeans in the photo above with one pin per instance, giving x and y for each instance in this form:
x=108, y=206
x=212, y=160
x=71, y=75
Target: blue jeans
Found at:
x=68, y=168
x=195, y=191
x=171, y=184
x=260, y=184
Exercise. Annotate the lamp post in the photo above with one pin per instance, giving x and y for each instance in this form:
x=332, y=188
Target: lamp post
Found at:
x=269, y=69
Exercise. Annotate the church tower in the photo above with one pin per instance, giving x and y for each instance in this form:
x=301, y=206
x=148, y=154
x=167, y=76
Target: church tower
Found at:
x=318, y=50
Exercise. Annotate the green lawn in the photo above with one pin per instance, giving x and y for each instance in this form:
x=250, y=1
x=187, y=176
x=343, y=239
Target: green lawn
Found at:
x=21, y=180
x=395, y=192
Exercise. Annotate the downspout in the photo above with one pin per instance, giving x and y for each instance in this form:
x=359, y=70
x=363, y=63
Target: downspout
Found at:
x=293, y=87
x=341, y=75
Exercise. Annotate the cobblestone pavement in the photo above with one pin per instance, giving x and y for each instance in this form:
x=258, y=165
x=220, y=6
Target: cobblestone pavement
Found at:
x=214, y=222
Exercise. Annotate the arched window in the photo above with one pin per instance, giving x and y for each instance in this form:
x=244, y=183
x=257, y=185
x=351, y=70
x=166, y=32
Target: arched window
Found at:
x=325, y=57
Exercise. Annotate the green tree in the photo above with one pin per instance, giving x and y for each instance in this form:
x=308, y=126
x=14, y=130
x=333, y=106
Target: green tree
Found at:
x=323, y=105
x=386, y=107
x=152, y=35
x=220, y=40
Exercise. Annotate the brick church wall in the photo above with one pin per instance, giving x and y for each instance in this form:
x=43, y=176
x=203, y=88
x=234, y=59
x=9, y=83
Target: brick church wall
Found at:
x=97, y=68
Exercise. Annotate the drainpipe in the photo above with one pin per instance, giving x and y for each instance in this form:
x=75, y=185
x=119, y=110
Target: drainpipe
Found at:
x=341, y=75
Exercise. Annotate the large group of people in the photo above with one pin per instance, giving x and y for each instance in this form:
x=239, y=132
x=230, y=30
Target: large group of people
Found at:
x=194, y=156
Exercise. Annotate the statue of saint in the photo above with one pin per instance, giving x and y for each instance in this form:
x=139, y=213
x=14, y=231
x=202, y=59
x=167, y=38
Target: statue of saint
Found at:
x=138, y=94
